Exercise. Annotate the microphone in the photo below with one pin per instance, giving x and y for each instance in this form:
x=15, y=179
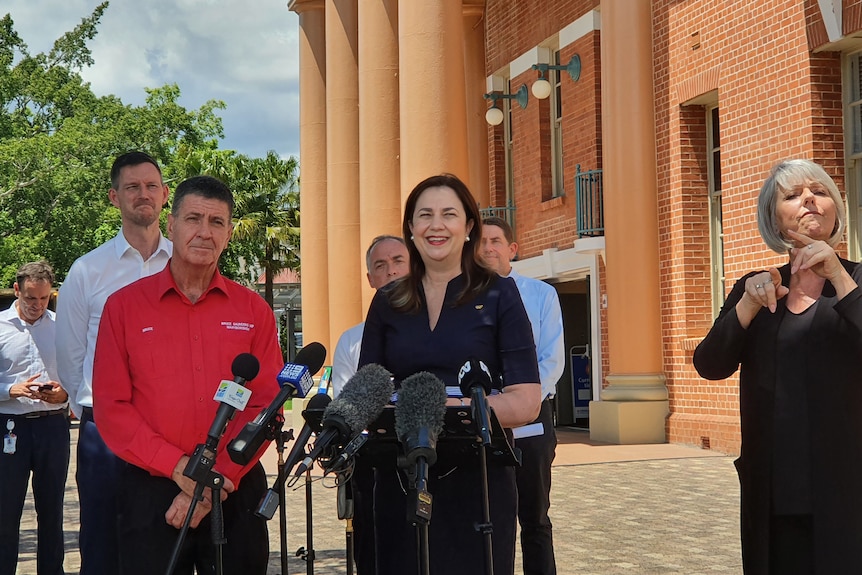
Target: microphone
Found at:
x=313, y=415
x=474, y=379
x=419, y=416
x=361, y=401
x=233, y=395
x=295, y=378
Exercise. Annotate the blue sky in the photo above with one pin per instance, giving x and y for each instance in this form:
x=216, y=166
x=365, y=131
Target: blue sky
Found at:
x=239, y=51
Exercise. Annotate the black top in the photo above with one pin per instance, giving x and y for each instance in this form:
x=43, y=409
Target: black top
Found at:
x=791, y=460
x=833, y=381
x=493, y=328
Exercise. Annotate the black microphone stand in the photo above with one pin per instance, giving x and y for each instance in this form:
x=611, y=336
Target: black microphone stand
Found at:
x=481, y=415
x=199, y=468
x=276, y=495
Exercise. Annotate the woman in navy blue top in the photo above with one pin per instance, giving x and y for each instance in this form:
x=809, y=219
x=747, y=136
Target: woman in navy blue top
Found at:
x=447, y=310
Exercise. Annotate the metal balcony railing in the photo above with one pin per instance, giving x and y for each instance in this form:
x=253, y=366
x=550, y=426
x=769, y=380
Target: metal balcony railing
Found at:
x=506, y=213
x=589, y=203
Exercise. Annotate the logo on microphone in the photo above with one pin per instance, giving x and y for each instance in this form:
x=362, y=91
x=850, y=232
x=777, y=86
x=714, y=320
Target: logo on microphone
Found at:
x=232, y=394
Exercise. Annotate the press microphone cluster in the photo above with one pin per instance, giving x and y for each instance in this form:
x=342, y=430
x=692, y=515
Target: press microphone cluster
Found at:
x=419, y=416
x=474, y=379
x=295, y=380
x=361, y=401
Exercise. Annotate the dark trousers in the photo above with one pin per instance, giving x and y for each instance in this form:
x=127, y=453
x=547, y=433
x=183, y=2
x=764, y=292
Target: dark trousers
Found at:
x=43, y=448
x=362, y=487
x=147, y=541
x=791, y=545
x=534, y=496
x=97, y=475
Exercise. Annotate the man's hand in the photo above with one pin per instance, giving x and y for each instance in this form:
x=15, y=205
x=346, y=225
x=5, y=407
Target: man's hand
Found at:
x=176, y=513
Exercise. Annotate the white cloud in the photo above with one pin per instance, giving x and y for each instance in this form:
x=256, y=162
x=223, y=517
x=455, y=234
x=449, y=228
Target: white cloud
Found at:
x=244, y=53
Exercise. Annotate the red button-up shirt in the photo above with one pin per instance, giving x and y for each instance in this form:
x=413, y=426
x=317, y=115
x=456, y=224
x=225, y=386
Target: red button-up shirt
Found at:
x=159, y=360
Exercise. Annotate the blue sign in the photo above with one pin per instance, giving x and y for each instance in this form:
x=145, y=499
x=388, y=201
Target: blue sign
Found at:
x=583, y=387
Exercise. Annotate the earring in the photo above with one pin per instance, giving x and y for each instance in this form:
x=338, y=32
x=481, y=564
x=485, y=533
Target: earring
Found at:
x=468, y=238
x=411, y=238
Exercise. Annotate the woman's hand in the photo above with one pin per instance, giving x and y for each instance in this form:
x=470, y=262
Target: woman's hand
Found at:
x=761, y=290
x=820, y=258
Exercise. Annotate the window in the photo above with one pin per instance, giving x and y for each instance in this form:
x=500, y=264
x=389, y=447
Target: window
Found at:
x=853, y=134
x=557, y=188
x=716, y=224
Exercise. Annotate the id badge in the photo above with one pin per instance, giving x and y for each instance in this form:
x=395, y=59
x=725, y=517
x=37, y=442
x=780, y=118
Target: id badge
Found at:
x=10, y=440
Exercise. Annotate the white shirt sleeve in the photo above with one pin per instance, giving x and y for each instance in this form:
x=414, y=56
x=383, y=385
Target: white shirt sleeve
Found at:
x=73, y=316
x=345, y=360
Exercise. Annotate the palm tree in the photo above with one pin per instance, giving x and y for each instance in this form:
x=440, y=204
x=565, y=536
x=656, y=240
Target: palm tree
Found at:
x=267, y=213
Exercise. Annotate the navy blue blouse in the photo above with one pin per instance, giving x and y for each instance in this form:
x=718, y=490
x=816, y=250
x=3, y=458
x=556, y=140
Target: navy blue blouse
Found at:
x=493, y=327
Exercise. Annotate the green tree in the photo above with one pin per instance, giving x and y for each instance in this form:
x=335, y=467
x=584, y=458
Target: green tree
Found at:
x=266, y=218
x=58, y=140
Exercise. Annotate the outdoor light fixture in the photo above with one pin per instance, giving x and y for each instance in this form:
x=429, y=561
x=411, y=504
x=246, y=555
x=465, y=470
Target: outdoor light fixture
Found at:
x=542, y=88
x=494, y=115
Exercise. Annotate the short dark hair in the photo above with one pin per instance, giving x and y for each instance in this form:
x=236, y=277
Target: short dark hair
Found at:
x=377, y=241
x=130, y=159
x=503, y=225
x=35, y=272
x=206, y=187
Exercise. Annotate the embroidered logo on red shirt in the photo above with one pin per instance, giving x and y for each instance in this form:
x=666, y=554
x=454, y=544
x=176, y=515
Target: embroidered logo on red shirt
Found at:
x=238, y=325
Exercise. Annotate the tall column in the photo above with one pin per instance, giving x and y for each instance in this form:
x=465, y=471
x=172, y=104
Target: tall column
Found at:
x=477, y=128
x=379, y=146
x=312, y=167
x=634, y=405
x=431, y=89
x=342, y=166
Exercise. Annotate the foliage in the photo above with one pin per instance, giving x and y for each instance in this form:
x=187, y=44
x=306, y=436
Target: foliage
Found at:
x=58, y=140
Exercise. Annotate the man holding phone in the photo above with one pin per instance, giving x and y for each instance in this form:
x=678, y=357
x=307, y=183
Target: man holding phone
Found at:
x=34, y=415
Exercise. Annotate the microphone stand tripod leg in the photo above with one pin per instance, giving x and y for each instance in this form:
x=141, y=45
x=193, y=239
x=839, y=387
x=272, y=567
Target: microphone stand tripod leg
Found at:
x=486, y=528
x=282, y=437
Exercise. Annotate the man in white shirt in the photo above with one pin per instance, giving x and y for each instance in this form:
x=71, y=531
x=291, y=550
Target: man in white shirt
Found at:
x=386, y=260
x=34, y=414
x=138, y=250
x=538, y=440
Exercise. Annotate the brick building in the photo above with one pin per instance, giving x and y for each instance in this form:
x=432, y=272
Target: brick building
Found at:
x=631, y=185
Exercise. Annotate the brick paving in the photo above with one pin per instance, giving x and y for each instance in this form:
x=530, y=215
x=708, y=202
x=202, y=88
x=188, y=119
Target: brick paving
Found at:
x=616, y=510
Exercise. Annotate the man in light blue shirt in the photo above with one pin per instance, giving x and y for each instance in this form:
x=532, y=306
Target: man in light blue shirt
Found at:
x=537, y=440
x=34, y=414
x=138, y=250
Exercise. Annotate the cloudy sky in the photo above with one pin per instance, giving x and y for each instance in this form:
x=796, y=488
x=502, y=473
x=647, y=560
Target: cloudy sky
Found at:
x=243, y=52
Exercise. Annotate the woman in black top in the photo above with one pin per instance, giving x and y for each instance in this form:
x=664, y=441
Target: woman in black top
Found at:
x=796, y=334
x=447, y=310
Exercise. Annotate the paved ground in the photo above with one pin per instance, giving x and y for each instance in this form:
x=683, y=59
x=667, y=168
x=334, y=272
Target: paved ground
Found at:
x=647, y=509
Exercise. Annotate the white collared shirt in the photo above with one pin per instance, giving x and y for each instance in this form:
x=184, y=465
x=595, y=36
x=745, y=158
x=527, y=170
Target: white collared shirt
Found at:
x=26, y=350
x=345, y=361
x=546, y=318
x=91, y=279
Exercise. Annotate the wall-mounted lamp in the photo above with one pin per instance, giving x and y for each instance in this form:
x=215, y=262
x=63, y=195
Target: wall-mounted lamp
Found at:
x=542, y=88
x=494, y=115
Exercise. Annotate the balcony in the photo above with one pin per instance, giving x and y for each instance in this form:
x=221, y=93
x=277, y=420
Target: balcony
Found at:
x=506, y=214
x=589, y=203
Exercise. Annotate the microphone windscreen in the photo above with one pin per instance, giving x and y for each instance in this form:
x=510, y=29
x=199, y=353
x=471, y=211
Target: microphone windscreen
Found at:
x=318, y=401
x=246, y=366
x=421, y=404
x=311, y=356
x=363, y=398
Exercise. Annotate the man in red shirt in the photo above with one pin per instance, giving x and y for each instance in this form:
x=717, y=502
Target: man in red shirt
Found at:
x=164, y=344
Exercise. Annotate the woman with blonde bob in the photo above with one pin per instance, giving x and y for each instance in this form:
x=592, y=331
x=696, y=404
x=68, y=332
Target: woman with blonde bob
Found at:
x=795, y=334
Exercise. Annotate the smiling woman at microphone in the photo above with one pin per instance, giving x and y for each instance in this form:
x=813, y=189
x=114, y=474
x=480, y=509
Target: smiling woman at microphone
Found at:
x=447, y=310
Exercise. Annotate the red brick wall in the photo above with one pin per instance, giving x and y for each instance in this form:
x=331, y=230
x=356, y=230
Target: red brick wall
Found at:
x=776, y=100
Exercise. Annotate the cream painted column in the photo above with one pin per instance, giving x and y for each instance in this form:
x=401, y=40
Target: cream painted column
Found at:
x=634, y=406
x=431, y=89
x=342, y=167
x=312, y=167
x=477, y=128
x=379, y=145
